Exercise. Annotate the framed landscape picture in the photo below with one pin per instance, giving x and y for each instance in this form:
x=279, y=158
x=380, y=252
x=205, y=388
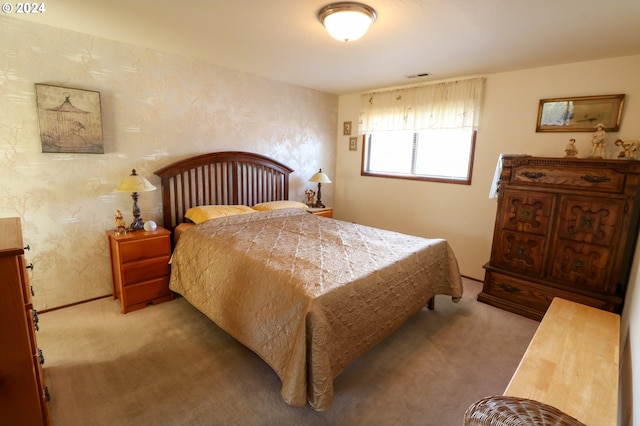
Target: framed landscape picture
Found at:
x=580, y=114
x=70, y=120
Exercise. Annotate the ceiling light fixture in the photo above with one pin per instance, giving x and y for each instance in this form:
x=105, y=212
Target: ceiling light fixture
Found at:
x=347, y=21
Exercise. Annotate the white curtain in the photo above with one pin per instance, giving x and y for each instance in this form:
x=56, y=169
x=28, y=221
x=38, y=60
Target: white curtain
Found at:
x=450, y=105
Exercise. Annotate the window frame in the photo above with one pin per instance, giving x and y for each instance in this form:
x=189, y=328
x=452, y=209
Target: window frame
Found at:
x=402, y=176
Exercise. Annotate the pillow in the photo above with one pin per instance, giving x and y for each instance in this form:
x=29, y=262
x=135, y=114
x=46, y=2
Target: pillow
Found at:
x=201, y=213
x=276, y=205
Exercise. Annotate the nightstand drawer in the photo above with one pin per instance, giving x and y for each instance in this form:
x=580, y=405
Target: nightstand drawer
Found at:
x=134, y=272
x=147, y=291
x=131, y=251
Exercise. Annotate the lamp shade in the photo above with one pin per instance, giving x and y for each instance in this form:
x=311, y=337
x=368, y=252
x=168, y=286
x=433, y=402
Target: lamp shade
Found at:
x=134, y=183
x=347, y=21
x=320, y=177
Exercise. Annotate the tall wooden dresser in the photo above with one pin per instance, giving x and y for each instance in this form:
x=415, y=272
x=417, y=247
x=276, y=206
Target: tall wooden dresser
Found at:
x=23, y=395
x=564, y=228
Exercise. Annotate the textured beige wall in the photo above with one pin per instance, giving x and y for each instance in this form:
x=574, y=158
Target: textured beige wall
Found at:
x=156, y=108
x=463, y=214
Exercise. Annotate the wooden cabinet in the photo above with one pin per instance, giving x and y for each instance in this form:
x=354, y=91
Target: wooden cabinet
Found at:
x=564, y=228
x=321, y=211
x=23, y=395
x=140, y=267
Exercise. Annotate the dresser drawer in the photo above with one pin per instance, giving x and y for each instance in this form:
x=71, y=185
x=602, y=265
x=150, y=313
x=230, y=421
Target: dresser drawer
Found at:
x=527, y=211
x=520, y=252
x=132, y=251
x=580, y=265
x=518, y=291
x=606, y=180
x=528, y=296
x=142, y=270
x=145, y=292
x=592, y=220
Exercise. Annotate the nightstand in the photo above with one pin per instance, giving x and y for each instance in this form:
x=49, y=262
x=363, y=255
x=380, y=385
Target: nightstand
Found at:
x=321, y=211
x=140, y=267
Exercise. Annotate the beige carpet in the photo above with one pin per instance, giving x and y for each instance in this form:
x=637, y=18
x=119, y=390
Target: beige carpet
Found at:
x=169, y=365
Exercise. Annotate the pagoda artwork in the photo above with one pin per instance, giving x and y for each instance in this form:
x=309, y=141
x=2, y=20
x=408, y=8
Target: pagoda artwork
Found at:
x=70, y=120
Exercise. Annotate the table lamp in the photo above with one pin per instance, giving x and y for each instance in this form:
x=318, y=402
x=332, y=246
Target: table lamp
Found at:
x=320, y=178
x=135, y=183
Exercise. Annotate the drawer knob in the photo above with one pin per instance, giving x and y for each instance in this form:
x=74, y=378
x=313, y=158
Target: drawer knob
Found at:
x=596, y=179
x=34, y=314
x=510, y=289
x=46, y=394
x=29, y=266
x=40, y=356
x=28, y=247
x=533, y=175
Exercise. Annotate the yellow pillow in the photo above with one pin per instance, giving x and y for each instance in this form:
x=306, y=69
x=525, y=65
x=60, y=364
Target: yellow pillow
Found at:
x=284, y=204
x=202, y=213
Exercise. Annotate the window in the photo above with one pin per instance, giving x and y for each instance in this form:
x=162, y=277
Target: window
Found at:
x=424, y=133
x=442, y=155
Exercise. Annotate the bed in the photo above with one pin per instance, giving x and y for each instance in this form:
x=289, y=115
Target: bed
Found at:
x=308, y=294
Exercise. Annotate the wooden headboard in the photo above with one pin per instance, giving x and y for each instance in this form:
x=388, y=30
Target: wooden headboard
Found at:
x=230, y=177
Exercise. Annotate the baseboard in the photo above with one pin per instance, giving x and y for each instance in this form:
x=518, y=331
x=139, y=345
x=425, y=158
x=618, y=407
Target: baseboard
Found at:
x=44, y=311
x=471, y=278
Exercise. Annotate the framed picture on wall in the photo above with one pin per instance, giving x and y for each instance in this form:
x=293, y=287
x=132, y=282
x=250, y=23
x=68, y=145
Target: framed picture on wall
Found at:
x=346, y=128
x=580, y=114
x=353, y=143
x=70, y=120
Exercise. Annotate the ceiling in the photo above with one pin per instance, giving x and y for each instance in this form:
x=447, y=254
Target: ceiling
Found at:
x=283, y=39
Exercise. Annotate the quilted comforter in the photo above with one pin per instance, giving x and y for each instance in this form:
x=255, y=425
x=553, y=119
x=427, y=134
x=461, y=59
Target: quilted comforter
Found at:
x=308, y=294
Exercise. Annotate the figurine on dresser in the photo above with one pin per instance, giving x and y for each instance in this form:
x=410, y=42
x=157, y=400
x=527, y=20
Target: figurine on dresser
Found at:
x=570, y=150
x=598, y=140
x=627, y=148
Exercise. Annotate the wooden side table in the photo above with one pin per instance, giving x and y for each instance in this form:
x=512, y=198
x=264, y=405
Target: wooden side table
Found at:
x=140, y=267
x=321, y=211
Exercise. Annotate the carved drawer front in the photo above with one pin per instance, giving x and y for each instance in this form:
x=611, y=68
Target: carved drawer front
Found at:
x=604, y=179
x=520, y=251
x=581, y=265
x=591, y=220
x=503, y=287
x=533, y=296
x=527, y=211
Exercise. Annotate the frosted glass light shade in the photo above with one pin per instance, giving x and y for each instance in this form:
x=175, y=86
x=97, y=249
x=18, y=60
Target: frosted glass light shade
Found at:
x=320, y=177
x=347, y=21
x=134, y=183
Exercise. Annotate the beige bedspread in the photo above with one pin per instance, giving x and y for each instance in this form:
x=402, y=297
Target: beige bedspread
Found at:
x=308, y=294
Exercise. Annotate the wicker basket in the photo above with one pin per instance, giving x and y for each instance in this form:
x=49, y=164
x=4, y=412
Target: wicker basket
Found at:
x=513, y=411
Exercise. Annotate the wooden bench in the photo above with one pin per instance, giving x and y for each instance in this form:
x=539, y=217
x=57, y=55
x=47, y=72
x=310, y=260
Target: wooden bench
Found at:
x=572, y=363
